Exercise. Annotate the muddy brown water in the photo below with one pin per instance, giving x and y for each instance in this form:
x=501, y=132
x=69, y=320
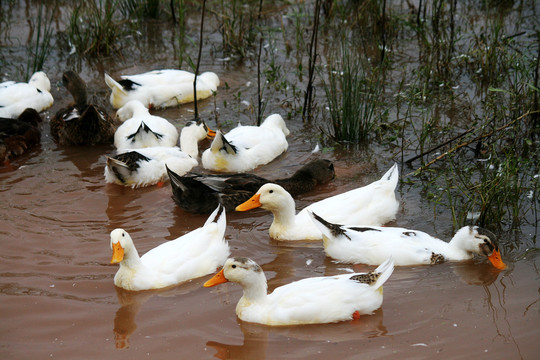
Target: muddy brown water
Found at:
x=58, y=300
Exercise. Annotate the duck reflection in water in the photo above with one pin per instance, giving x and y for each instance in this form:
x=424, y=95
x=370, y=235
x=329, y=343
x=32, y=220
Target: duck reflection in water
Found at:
x=258, y=338
x=131, y=303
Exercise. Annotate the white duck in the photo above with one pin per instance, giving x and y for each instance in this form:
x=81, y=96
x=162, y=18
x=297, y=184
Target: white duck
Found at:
x=148, y=166
x=373, y=204
x=246, y=147
x=195, y=254
x=372, y=245
x=140, y=129
x=15, y=97
x=161, y=88
x=313, y=300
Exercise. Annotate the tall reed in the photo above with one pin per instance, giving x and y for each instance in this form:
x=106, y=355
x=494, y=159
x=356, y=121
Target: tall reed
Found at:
x=352, y=94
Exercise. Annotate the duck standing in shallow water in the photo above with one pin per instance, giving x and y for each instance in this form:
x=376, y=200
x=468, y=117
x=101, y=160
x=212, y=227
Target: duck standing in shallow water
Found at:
x=201, y=193
x=371, y=245
x=315, y=300
x=195, y=254
x=19, y=135
x=373, y=204
x=81, y=123
x=15, y=97
x=140, y=129
x=246, y=147
x=161, y=88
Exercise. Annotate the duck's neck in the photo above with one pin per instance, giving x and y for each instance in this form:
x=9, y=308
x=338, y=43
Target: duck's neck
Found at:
x=284, y=217
x=131, y=258
x=460, y=244
x=254, y=291
x=79, y=94
x=189, y=143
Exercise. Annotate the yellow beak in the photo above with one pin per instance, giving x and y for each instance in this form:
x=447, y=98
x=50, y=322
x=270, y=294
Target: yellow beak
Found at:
x=217, y=279
x=118, y=253
x=252, y=203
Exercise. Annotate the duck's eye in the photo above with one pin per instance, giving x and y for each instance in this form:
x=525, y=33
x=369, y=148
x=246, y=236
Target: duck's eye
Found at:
x=234, y=266
x=271, y=191
x=123, y=234
x=485, y=241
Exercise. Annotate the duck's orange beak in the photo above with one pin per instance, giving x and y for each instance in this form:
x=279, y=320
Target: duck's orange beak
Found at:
x=217, y=279
x=495, y=259
x=210, y=133
x=252, y=203
x=118, y=253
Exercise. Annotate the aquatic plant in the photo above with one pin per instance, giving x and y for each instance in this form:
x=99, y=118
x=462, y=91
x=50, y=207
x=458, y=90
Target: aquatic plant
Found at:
x=352, y=93
x=238, y=28
x=41, y=43
x=94, y=29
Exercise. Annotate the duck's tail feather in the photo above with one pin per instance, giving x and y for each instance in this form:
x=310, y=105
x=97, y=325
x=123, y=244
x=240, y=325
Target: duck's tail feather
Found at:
x=384, y=270
x=221, y=143
x=392, y=175
x=113, y=84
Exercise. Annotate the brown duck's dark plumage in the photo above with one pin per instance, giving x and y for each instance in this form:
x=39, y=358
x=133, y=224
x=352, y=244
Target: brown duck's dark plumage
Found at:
x=201, y=193
x=19, y=135
x=81, y=123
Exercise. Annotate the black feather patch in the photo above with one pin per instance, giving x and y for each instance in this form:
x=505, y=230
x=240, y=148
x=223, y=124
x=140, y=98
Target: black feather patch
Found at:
x=437, y=258
x=362, y=229
x=409, y=233
x=132, y=159
x=335, y=229
x=368, y=278
x=145, y=128
x=128, y=85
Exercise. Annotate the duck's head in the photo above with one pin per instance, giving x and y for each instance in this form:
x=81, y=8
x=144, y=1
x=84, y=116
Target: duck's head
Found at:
x=276, y=121
x=198, y=130
x=41, y=81
x=238, y=269
x=482, y=241
x=131, y=108
x=320, y=170
x=210, y=79
x=120, y=241
x=270, y=197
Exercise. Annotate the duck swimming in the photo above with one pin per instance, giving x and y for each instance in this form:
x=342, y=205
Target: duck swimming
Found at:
x=373, y=204
x=81, y=123
x=371, y=245
x=200, y=193
x=161, y=88
x=15, y=97
x=246, y=147
x=195, y=254
x=140, y=129
x=315, y=300
x=144, y=167
x=19, y=135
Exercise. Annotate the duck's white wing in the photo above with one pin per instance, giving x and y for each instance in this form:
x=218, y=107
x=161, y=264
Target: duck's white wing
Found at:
x=194, y=254
x=321, y=300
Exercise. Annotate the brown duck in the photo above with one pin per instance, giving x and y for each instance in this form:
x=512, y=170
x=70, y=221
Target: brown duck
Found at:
x=201, y=193
x=81, y=123
x=19, y=135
